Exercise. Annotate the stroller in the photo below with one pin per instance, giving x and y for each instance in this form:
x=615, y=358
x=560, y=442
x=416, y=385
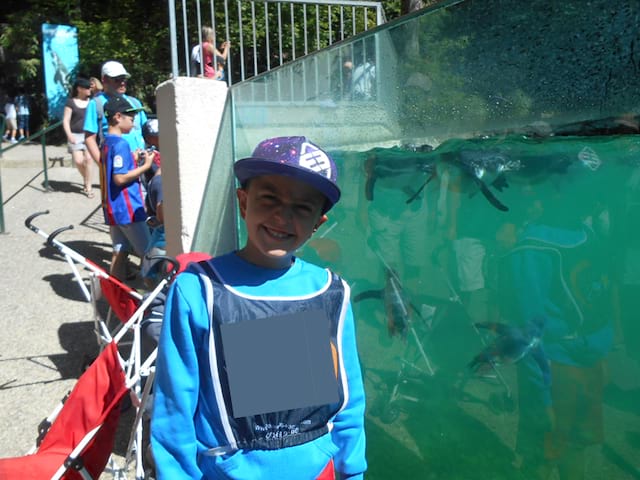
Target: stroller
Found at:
x=78, y=437
x=437, y=337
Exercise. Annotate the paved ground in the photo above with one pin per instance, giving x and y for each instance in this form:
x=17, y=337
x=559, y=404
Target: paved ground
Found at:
x=46, y=323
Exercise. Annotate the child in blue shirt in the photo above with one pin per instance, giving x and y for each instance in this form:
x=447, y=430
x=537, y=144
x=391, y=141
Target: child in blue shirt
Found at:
x=121, y=191
x=204, y=425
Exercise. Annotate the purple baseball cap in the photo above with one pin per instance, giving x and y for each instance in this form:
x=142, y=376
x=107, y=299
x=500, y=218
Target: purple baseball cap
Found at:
x=295, y=157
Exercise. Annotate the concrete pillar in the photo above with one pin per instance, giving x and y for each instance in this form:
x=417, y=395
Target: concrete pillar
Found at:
x=189, y=113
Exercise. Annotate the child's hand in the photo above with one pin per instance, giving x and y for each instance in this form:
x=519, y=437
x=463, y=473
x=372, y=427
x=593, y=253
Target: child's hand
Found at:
x=147, y=157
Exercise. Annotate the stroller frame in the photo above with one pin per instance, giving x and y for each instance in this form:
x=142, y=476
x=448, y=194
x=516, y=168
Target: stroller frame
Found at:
x=411, y=362
x=135, y=369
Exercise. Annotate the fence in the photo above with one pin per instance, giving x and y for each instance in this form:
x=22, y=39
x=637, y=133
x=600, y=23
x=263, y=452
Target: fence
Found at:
x=267, y=33
x=42, y=135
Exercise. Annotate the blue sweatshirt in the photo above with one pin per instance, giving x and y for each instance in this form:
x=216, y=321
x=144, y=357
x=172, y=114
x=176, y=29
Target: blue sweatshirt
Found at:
x=185, y=415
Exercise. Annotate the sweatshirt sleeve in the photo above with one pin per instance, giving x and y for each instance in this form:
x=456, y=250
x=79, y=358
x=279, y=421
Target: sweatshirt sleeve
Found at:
x=173, y=435
x=348, y=426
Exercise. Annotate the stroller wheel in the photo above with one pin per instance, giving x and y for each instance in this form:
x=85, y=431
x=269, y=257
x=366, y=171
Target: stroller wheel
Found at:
x=390, y=414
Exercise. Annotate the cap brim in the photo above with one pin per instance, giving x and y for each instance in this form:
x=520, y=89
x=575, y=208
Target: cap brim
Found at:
x=251, y=167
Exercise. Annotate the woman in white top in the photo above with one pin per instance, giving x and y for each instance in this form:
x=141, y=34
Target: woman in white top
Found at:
x=73, y=124
x=10, y=118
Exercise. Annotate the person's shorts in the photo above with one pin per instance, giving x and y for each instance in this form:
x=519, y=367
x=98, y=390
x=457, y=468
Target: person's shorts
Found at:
x=23, y=122
x=131, y=238
x=79, y=145
x=470, y=254
x=11, y=123
x=401, y=238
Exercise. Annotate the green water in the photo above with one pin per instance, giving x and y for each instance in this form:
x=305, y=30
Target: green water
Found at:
x=557, y=246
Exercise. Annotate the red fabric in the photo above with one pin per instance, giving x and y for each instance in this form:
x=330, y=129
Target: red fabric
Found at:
x=185, y=259
x=119, y=297
x=328, y=473
x=93, y=402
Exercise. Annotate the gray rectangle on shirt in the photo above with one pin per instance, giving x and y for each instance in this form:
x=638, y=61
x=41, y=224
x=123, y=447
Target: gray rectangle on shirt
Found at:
x=279, y=363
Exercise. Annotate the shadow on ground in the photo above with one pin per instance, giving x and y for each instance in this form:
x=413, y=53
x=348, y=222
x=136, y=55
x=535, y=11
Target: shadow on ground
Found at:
x=65, y=187
x=80, y=345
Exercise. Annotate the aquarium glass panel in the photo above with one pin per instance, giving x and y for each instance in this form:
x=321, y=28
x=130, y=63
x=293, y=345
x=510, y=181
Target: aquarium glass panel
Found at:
x=489, y=161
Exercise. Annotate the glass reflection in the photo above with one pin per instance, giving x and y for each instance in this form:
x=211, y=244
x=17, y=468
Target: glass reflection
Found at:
x=489, y=227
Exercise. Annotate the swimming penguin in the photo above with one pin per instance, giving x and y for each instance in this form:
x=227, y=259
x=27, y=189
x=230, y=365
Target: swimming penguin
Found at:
x=511, y=345
x=406, y=162
x=480, y=169
x=396, y=308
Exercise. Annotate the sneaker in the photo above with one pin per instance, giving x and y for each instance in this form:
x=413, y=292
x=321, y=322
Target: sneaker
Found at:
x=21, y=138
x=13, y=141
x=5, y=138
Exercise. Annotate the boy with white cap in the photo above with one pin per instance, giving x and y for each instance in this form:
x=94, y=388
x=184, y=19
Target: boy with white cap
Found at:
x=114, y=79
x=258, y=374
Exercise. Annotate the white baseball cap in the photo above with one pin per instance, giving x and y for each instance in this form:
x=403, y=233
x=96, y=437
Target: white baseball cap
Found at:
x=114, y=69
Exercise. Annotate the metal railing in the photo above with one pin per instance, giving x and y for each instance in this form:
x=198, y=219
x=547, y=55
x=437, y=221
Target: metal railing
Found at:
x=42, y=135
x=265, y=34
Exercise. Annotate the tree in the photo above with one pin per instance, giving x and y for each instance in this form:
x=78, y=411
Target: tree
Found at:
x=135, y=32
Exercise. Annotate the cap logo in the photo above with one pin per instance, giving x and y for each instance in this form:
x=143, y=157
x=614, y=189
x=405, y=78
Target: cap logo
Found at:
x=315, y=160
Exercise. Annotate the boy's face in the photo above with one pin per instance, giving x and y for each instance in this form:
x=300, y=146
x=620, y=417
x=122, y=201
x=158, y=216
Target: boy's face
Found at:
x=125, y=121
x=152, y=140
x=280, y=213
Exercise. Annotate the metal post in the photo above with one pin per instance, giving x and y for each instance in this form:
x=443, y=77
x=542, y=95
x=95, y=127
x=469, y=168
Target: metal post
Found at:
x=185, y=34
x=44, y=161
x=280, y=32
x=317, y=27
x=266, y=35
x=353, y=21
x=213, y=18
x=304, y=13
x=242, y=74
x=255, y=42
x=330, y=25
x=293, y=33
x=173, y=38
x=226, y=26
x=186, y=44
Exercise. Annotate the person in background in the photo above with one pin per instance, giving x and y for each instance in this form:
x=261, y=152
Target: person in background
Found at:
x=277, y=426
x=196, y=67
x=214, y=59
x=23, y=113
x=96, y=86
x=122, y=198
x=114, y=79
x=152, y=179
x=10, y=117
x=73, y=125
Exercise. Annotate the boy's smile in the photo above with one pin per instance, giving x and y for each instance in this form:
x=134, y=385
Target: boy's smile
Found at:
x=280, y=213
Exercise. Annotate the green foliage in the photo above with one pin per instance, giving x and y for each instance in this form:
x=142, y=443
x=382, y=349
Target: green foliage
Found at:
x=136, y=33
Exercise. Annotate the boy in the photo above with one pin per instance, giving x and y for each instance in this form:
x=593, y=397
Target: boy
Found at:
x=223, y=408
x=122, y=198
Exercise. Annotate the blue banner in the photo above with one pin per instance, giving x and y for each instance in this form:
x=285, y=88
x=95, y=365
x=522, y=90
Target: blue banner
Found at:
x=60, y=59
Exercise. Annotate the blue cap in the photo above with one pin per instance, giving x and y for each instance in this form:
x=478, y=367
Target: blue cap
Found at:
x=295, y=157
